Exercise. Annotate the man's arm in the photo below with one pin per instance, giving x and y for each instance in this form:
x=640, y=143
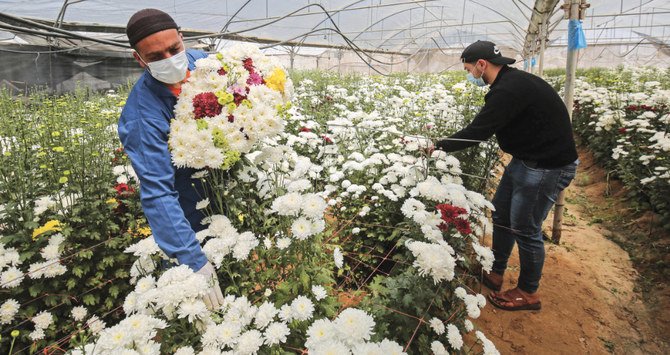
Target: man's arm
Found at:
x=145, y=141
x=500, y=107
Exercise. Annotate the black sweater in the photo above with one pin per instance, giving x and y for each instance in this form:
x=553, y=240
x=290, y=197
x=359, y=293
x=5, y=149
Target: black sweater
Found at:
x=528, y=118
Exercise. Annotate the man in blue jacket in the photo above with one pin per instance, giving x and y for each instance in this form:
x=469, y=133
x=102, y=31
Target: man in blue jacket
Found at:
x=532, y=124
x=168, y=194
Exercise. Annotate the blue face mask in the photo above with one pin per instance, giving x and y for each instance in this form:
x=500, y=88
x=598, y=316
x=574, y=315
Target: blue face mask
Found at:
x=477, y=81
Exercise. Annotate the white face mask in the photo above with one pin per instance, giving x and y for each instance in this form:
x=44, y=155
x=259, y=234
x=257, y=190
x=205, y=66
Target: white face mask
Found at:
x=170, y=70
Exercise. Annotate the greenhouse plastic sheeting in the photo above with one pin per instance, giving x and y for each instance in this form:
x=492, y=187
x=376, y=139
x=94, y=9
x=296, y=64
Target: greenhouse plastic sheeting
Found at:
x=391, y=25
x=63, y=72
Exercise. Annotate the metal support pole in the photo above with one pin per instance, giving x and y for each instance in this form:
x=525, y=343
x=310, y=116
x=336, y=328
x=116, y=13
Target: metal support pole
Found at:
x=574, y=9
x=543, y=45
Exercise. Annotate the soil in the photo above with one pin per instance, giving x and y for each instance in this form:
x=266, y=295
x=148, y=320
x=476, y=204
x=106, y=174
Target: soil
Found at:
x=592, y=294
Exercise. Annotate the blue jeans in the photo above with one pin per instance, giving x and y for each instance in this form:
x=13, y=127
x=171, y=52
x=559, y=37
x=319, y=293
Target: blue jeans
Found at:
x=523, y=200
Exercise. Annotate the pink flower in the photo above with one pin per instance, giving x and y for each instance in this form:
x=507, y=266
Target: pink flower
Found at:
x=255, y=79
x=237, y=89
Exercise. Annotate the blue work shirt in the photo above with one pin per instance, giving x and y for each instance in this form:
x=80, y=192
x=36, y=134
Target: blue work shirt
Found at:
x=168, y=194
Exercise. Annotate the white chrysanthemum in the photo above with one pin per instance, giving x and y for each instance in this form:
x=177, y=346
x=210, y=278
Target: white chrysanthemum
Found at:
x=319, y=292
x=437, y=325
x=411, y=207
x=438, y=348
x=265, y=314
x=79, y=313
x=338, y=258
x=313, y=206
x=130, y=303
x=185, y=350
x=50, y=252
x=367, y=349
x=43, y=320
x=8, y=310
x=288, y=205
x=354, y=326
x=276, y=333
x=302, y=308
x=320, y=331
x=95, y=324
x=318, y=226
x=286, y=313
x=330, y=347
x=11, y=277
x=488, y=346
x=202, y=204
x=390, y=347
x=249, y=342
x=484, y=256
x=454, y=337
x=37, y=334
x=47, y=269
x=8, y=256
x=220, y=335
x=145, y=284
x=301, y=228
x=246, y=242
x=220, y=226
x=283, y=243
x=145, y=247
x=217, y=249
x=468, y=325
x=460, y=292
x=192, y=310
x=472, y=306
x=144, y=265
x=434, y=259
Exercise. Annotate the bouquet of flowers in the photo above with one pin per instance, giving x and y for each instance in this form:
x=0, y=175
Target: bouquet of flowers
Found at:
x=232, y=100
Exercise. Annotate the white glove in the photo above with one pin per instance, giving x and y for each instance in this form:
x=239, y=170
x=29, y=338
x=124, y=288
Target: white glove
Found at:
x=213, y=298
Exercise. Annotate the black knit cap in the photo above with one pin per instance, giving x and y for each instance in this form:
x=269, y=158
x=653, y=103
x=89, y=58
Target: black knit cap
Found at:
x=484, y=50
x=146, y=22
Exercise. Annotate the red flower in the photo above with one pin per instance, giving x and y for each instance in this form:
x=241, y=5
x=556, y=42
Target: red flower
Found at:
x=124, y=189
x=463, y=226
x=206, y=104
x=248, y=65
x=305, y=129
x=451, y=215
x=326, y=139
x=231, y=118
x=222, y=71
x=450, y=212
x=622, y=130
x=237, y=98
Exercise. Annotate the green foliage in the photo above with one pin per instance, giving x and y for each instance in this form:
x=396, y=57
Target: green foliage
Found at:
x=62, y=149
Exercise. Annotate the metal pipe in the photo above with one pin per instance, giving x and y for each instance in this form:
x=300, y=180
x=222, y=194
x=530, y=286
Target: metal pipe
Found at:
x=573, y=9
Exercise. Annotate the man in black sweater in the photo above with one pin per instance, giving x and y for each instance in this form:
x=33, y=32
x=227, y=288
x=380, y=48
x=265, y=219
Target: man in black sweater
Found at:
x=532, y=124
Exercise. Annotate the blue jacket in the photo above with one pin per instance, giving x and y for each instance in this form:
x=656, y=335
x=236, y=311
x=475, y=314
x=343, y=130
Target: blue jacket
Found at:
x=168, y=194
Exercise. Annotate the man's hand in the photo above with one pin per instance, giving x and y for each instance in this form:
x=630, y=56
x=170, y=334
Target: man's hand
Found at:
x=213, y=298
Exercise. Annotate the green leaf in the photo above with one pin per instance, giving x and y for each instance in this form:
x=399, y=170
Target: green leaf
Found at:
x=89, y=300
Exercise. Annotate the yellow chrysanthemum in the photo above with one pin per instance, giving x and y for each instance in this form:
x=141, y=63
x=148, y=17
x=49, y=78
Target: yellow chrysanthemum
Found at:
x=51, y=226
x=276, y=80
x=143, y=232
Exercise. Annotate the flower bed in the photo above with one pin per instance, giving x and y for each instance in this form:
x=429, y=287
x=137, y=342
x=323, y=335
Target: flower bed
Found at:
x=627, y=126
x=341, y=199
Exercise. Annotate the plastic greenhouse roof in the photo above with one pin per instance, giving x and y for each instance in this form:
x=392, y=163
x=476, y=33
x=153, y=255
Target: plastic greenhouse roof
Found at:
x=399, y=26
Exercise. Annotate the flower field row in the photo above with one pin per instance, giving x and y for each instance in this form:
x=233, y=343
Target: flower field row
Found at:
x=338, y=234
x=623, y=116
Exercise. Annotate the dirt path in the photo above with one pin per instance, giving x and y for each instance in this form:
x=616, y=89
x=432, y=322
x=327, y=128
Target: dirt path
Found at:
x=589, y=297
